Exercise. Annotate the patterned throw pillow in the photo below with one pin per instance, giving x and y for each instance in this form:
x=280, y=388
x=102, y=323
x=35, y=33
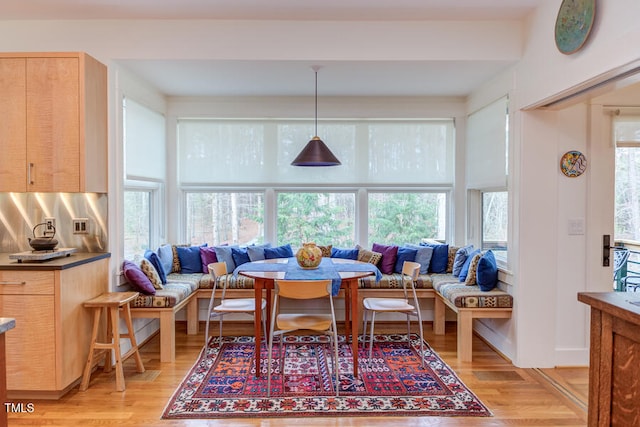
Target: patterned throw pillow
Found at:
x=366, y=255
x=473, y=268
x=326, y=250
x=452, y=257
x=149, y=270
x=175, y=266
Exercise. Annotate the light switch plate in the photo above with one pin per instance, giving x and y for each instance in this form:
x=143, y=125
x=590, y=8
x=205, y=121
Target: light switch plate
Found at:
x=576, y=226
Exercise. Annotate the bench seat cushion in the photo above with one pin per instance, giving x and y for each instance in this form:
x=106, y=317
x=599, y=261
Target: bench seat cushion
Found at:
x=394, y=281
x=465, y=296
x=176, y=290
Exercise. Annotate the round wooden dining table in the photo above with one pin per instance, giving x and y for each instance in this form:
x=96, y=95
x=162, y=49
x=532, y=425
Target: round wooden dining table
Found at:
x=264, y=283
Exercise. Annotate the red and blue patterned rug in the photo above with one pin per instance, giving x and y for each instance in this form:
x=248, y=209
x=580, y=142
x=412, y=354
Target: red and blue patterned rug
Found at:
x=222, y=383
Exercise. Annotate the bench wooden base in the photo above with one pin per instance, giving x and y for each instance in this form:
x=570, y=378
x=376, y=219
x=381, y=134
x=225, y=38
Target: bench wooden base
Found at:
x=167, y=318
x=465, y=318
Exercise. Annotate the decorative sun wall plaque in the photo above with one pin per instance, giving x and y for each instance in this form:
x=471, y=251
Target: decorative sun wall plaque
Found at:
x=573, y=24
x=573, y=164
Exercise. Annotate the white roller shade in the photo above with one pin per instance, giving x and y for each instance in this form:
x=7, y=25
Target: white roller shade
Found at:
x=213, y=151
x=487, y=146
x=144, y=141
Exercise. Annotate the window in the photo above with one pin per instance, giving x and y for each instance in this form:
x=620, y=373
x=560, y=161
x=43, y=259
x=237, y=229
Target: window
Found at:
x=137, y=224
x=324, y=205
x=144, y=170
x=225, y=218
x=323, y=218
x=627, y=219
x=495, y=219
x=406, y=217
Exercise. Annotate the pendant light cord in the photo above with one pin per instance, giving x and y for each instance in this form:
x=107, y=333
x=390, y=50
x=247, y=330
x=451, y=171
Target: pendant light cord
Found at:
x=316, y=132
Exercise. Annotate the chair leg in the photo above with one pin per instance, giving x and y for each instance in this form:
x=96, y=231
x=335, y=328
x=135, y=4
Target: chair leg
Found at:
x=206, y=330
x=373, y=320
x=221, y=318
x=421, y=342
x=336, y=363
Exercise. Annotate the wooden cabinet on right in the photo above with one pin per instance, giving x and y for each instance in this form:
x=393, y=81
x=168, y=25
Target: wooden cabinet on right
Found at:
x=614, y=362
x=54, y=133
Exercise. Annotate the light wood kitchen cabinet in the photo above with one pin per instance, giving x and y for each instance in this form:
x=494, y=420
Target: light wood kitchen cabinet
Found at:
x=47, y=350
x=55, y=109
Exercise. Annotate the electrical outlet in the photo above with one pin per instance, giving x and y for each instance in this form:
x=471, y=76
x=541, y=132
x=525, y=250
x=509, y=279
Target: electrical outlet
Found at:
x=80, y=225
x=50, y=226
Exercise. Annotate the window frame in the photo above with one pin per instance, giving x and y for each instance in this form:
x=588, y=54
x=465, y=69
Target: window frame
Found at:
x=156, y=214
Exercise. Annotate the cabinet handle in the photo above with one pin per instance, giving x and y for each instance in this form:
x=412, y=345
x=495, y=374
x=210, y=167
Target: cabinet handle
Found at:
x=7, y=282
x=30, y=174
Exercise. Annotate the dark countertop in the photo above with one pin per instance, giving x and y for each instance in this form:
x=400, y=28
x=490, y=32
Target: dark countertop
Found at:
x=73, y=260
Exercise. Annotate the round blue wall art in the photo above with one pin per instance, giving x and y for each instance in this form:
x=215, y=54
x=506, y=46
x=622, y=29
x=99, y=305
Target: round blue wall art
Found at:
x=573, y=24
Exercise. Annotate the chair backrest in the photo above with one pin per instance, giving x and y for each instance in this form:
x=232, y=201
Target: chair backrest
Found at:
x=411, y=269
x=217, y=269
x=303, y=289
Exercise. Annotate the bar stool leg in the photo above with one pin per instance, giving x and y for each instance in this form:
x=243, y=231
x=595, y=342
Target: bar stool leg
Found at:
x=126, y=309
x=108, y=343
x=86, y=376
x=115, y=321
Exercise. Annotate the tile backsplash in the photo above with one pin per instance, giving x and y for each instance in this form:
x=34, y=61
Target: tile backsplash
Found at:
x=21, y=212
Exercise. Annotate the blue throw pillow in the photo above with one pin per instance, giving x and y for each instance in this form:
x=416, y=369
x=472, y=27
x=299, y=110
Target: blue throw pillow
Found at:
x=465, y=268
x=165, y=253
x=440, y=257
x=423, y=256
x=154, y=259
x=240, y=256
x=283, y=251
x=344, y=253
x=224, y=254
x=404, y=254
x=487, y=272
x=256, y=252
x=190, y=261
x=461, y=257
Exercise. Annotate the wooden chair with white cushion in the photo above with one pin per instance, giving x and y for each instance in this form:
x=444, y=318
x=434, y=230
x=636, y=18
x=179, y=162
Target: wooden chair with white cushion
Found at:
x=228, y=305
x=290, y=322
x=410, y=271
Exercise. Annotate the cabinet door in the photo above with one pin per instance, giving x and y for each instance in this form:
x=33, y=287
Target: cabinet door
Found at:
x=13, y=159
x=30, y=347
x=53, y=124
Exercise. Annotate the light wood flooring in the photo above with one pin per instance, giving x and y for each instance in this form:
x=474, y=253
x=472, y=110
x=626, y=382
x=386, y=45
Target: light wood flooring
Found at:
x=517, y=397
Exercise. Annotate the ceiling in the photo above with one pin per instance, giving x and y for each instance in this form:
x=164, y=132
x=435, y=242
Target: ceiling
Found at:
x=291, y=78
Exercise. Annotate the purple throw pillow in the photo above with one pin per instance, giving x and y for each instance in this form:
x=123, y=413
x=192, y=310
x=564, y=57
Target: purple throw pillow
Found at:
x=207, y=256
x=389, y=256
x=136, y=277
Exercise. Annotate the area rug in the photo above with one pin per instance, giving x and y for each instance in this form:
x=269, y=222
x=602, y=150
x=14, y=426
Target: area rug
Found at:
x=222, y=383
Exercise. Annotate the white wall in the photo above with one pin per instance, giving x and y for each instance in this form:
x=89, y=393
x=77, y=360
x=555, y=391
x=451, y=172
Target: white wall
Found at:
x=549, y=265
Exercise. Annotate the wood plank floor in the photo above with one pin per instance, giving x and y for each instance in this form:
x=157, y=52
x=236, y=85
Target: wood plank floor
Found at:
x=517, y=397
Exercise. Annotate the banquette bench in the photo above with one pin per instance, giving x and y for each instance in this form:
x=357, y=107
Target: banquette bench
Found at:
x=182, y=291
x=468, y=302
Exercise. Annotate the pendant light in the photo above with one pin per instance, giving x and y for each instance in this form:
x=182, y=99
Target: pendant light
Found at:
x=316, y=152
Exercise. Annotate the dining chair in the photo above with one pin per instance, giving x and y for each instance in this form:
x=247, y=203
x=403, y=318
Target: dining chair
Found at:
x=290, y=322
x=410, y=271
x=218, y=270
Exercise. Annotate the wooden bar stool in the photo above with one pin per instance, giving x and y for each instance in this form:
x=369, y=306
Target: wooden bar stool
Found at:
x=112, y=303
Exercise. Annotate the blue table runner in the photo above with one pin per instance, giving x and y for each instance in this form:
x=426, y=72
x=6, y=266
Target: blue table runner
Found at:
x=326, y=270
